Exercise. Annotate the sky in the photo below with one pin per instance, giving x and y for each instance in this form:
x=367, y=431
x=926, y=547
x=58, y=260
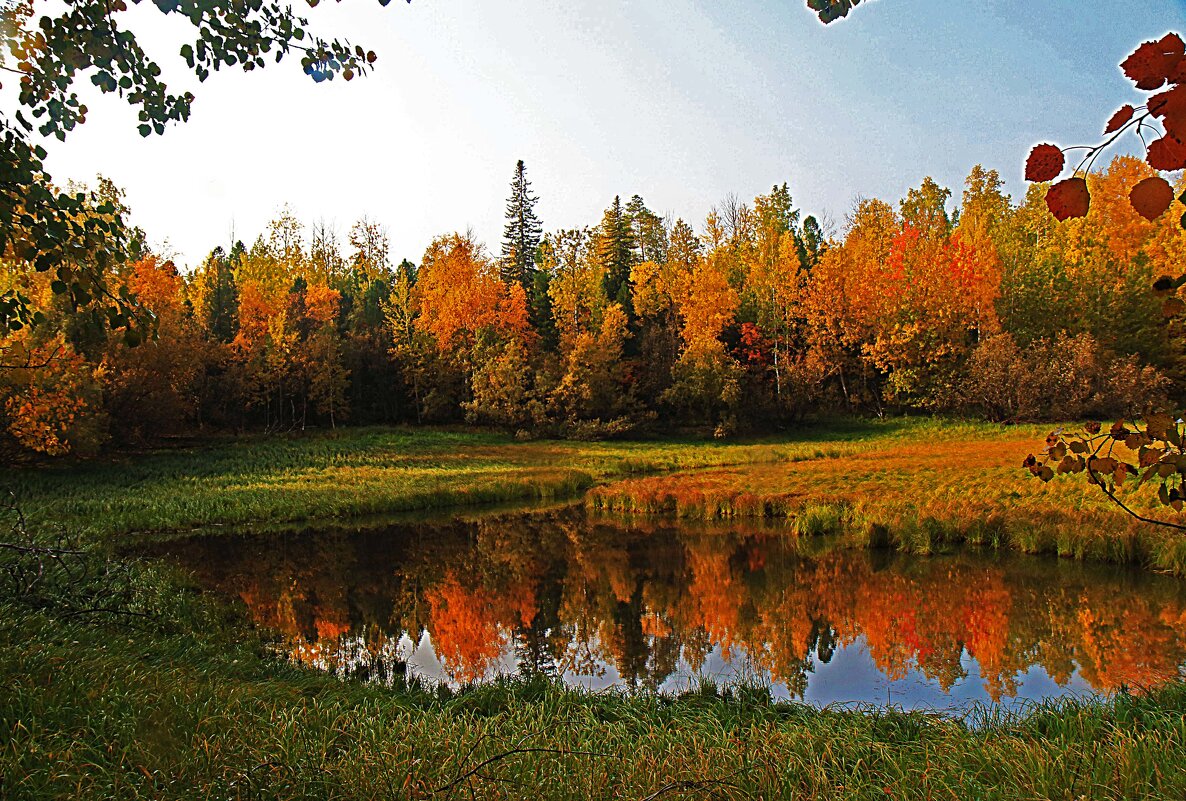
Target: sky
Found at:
x=681, y=102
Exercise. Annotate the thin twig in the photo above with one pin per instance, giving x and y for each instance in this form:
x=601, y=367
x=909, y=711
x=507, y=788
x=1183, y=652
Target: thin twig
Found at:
x=704, y=784
x=41, y=550
x=688, y=784
x=29, y=365
x=1095, y=479
x=505, y=754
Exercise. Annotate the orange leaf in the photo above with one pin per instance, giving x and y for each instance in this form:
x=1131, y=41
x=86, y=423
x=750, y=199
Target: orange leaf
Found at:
x=1151, y=64
x=1122, y=116
x=1044, y=163
x=1151, y=197
x=1069, y=198
x=1166, y=153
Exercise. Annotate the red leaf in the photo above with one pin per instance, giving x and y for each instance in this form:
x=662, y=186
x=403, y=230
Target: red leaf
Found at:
x=1151, y=197
x=1167, y=153
x=1044, y=163
x=1171, y=101
x=1175, y=126
x=1069, y=198
x=1151, y=64
x=1170, y=106
x=1119, y=119
x=1178, y=75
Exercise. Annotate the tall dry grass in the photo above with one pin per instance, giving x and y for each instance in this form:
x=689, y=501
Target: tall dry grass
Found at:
x=916, y=495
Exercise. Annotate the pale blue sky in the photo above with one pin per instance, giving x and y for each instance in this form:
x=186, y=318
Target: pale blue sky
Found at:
x=680, y=101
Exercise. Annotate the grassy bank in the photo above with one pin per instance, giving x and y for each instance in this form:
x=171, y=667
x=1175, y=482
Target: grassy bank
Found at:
x=913, y=484
x=100, y=712
x=353, y=473
x=916, y=494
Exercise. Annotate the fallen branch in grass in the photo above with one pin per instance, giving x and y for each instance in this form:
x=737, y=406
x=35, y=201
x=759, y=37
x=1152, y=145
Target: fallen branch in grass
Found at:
x=74, y=581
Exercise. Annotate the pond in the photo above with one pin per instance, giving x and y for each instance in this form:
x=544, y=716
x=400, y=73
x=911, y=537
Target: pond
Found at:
x=654, y=604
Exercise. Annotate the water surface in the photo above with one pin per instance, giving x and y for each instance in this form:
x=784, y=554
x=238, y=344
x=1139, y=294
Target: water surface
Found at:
x=658, y=605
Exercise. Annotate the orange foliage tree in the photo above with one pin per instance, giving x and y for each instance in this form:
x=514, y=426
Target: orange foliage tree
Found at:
x=151, y=389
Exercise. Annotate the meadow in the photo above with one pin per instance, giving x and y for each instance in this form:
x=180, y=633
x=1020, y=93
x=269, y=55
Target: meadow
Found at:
x=133, y=683
x=367, y=472
x=918, y=494
x=916, y=484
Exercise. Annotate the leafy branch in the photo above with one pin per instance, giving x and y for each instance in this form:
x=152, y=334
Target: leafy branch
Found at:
x=1151, y=67
x=80, y=236
x=831, y=10
x=1124, y=452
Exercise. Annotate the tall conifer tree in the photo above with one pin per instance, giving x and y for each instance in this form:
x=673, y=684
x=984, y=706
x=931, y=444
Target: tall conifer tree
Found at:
x=522, y=233
x=222, y=310
x=615, y=252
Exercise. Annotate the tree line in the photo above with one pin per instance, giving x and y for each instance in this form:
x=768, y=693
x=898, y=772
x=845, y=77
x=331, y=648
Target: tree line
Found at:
x=749, y=320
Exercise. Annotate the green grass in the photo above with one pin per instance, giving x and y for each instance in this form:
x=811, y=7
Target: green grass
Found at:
x=369, y=472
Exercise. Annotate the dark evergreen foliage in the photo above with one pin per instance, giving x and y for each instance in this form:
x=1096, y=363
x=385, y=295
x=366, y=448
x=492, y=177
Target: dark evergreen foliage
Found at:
x=522, y=233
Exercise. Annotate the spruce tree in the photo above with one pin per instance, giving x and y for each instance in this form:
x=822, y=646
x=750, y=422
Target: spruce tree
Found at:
x=615, y=252
x=521, y=235
x=222, y=312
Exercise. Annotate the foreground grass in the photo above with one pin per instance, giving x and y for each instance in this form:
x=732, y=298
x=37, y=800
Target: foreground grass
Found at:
x=99, y=712
x=362, y=472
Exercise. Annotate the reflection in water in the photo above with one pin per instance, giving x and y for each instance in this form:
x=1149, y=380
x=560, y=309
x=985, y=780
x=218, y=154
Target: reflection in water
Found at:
x=654, y=605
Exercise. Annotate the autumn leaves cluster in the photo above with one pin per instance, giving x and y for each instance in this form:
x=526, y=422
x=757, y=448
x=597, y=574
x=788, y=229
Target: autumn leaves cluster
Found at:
x=1149, y=450
x=1155, y=66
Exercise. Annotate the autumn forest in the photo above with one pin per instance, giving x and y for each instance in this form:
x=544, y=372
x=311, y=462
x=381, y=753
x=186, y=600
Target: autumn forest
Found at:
x=969, y=301
x=476, y=471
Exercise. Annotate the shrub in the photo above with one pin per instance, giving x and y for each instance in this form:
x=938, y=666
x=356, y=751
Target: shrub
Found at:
x=1062, y=378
